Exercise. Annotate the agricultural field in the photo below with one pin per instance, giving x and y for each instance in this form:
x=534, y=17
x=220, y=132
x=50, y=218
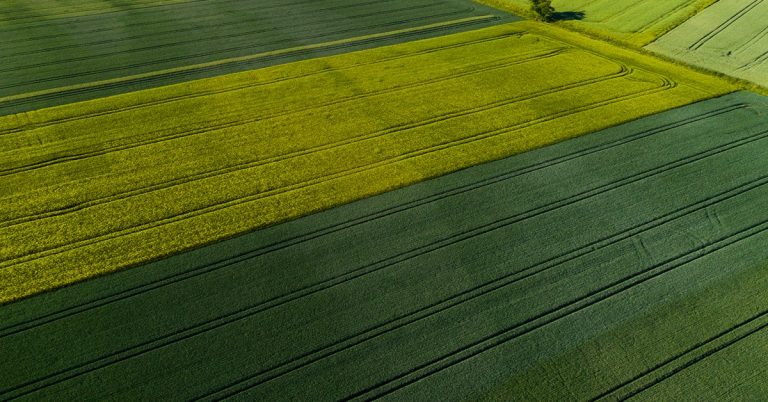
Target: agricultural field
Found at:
x=93, y=187
x=730, y=37
x=627, y=262
x=395, y=199
x=57, y=52
x=637, y=22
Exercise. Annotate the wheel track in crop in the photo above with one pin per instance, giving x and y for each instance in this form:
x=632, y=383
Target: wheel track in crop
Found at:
x=196, y=27
x=434, y=308
x=675, y=10
x=39, y=254
x=687, y=358
x=354, y=43
x=311, y=150
x=173, y=133
x=133, y=66
x=478, y=291
x=724, y=25
x=564, y=310
x=290, y=242
x=167, y=100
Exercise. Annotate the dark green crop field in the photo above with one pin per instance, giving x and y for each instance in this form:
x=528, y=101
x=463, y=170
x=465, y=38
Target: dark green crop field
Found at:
x=56, y=53
x=622, y=263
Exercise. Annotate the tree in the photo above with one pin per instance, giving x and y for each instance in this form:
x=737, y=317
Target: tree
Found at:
x=543, y=9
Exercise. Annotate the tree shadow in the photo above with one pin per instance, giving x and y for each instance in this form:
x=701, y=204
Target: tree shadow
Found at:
x=567, y=15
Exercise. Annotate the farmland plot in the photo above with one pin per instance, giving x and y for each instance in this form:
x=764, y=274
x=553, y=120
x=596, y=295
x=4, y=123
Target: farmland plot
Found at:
x=730, y=37
x=615, y=264
x=98, y=186
x=636, y=21
x=82, y=50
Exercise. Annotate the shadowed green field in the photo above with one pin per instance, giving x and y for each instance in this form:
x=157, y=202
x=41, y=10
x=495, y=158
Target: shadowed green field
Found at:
x=628, y=262
x=638, y=22
x=56, y=52
x=730, y=37
x=94, y=187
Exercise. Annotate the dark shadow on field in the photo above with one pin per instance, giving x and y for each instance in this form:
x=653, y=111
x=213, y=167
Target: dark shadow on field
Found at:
x=567, y=15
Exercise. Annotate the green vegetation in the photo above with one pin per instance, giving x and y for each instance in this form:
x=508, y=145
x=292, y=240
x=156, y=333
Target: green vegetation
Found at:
x=636, y=22
x=57, y=52
x=94, y=187
x=543, y=9
x=626, y=262
x=730, y=37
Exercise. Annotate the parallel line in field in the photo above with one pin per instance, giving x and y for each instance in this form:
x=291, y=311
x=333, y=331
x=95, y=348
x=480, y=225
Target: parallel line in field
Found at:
x=607, y=292
x=723, y=26
x=760, y=59
x=675, y=10
x=391, y=211
x=168, y=134
x=478, y=291
x=616, y=14
x=752, y=41
x=318, y=354
x=187, y=6
x=689, y=357
x=36, y=255
x=196, y=28
x=217, y=51
x=292, y=155
x=249, y=60
x=209, y=92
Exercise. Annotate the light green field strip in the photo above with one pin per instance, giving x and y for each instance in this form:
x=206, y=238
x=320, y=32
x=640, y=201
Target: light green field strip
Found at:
x=95, y=187
x=638, y=22
x=730, y=37
x=18, y=12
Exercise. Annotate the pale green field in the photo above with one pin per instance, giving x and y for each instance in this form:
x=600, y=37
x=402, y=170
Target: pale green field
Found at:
x=94, y=187
x=638, y=22
x=730, y=37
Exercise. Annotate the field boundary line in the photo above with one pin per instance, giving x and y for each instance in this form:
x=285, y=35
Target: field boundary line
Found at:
x=245, y=256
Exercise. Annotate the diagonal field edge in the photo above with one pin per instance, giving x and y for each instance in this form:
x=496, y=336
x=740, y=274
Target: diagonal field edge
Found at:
x=6, y=331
